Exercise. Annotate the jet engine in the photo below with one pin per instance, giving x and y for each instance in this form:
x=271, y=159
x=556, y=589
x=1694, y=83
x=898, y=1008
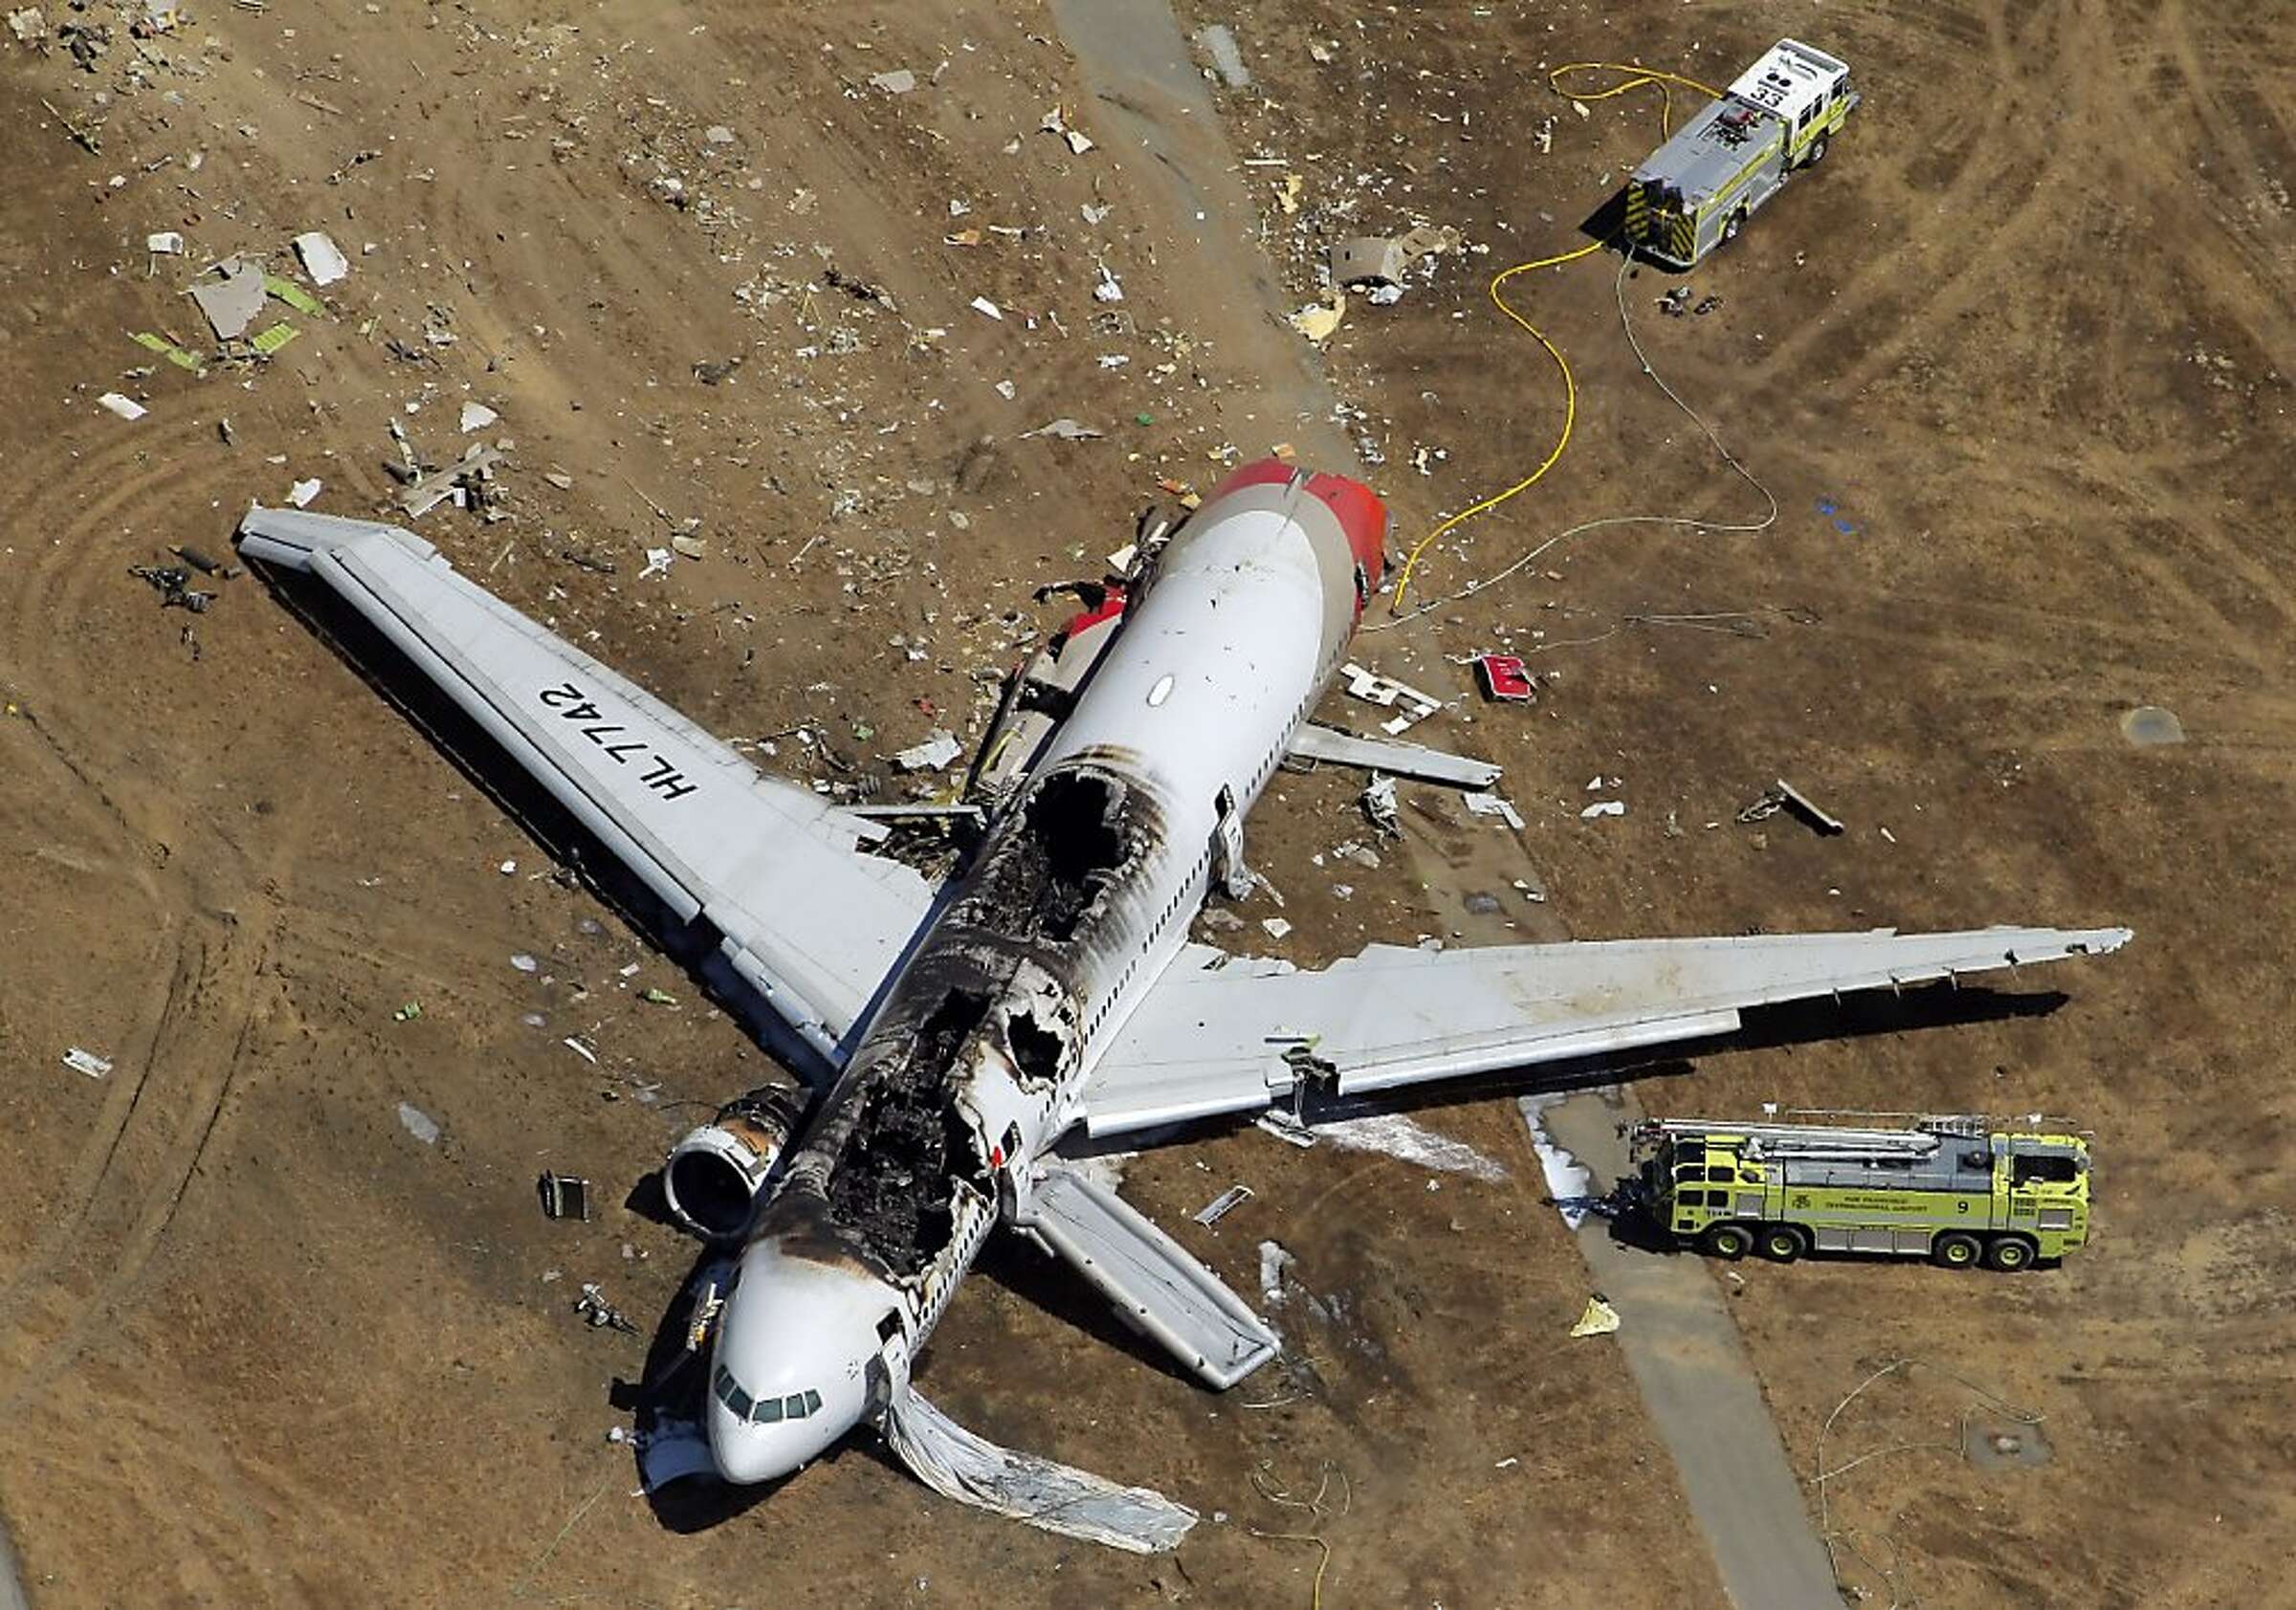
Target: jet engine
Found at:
x=715, y=1174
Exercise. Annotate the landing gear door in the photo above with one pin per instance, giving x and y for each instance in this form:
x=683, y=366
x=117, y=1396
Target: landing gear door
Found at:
x=1228, y=848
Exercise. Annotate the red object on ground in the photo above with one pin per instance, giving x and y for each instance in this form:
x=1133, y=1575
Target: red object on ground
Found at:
x=1505, y=678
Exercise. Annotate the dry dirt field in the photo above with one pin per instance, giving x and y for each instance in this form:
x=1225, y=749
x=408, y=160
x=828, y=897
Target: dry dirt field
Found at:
x=2018, y=338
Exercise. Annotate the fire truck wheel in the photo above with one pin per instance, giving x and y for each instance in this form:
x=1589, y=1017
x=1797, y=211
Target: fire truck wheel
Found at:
x=1727, y=1241
x=2010, y=1252
x=1955, y=1250
x=1817, y=153
x=1782, y=1244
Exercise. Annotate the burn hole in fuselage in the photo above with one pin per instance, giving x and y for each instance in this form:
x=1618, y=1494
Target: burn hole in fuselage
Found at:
x=1036, y=1051
x=1057, y=863
x=895, y=1183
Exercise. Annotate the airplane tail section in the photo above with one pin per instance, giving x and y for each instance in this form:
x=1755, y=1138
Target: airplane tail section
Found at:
x=1159, y=1288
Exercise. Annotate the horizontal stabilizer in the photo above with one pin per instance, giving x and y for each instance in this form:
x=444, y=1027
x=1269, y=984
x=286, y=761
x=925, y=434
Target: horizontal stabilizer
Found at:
x=1392, y=756
x=1154, y=1283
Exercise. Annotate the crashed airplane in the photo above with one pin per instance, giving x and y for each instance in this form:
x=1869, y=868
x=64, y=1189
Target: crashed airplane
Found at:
x=952, y=1035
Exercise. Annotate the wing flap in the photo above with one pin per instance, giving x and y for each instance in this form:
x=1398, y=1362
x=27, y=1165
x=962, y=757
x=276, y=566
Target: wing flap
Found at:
x=1222, y=1036
x=807, y=921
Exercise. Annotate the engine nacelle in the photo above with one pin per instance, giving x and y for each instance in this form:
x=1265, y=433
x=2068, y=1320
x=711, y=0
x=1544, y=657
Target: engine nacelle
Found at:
x=714, y=1175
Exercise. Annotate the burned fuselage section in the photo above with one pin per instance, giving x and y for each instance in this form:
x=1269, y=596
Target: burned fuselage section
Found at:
x=949, y=1095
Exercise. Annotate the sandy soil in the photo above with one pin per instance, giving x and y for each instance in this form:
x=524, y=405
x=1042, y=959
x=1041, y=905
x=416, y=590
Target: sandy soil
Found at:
x=260, y=1345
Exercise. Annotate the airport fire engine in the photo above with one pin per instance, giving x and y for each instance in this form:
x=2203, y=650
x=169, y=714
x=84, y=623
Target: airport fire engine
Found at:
x=1958, y=1190
x=1698, y=189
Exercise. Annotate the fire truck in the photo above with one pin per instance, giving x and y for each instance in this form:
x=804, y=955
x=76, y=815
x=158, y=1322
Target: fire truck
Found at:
x=1698, y=189
x=1958, y=1190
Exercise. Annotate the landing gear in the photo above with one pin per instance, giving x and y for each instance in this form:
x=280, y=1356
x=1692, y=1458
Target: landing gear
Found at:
x=1955, y=1250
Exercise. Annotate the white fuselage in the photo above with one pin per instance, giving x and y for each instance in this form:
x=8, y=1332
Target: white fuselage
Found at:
x=978, y=1055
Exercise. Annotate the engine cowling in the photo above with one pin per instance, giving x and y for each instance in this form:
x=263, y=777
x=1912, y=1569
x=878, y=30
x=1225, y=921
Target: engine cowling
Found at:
x=712, y=1178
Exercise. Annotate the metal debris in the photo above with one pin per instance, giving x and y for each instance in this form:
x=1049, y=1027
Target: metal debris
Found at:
x=87, y=1062
x=1783, y=795
x=1383, y=260
x=1411, y=706
x=126, y=407
x=322, y=258
x=1491, y=804
x=939, y=748
x=593, y=1307
x=1066, y=430
x=563, y=1195
x=233, y=300
x=418, y=1123
x=173, y=585
x=1506, y=679
x=1223, y=1205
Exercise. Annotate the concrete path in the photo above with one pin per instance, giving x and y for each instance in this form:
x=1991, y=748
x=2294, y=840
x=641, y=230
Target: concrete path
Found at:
x=1683, y=1351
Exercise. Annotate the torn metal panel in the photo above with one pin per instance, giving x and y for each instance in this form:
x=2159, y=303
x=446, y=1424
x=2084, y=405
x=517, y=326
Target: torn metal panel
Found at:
x=1212, y=1039
x=1059, y=1498
x=1411, y=706
x=1320, y=744
x=233, y=301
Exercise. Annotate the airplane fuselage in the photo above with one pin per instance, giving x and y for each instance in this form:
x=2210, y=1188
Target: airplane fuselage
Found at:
x=976, y=1059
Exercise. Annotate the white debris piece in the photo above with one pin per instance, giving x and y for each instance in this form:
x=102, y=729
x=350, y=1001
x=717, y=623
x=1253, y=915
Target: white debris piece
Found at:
x=900, y=81
x=1275, y=926
x=1119, y=562
x=1600, y=1319
x=1411, y=705
x=322, y=259
x=478, y=416
x=168, y=242
x=1109, y=290
x=982, y=304
x=1054, y=1497
x=302, y=491
x=126, y=407
x=419, y=1123
x=939, y=748
x=1603, y=808
x=1066, y=429
x=87, y=1062
x=1273, y=1261
x=231, y=303
x=657, y=563
x=717, y=134
x=524, y=963
x=1491, y=804
x=1219, y=42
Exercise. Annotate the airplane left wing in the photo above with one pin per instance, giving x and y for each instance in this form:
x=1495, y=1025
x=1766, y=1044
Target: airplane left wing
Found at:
x=1219, y=1034
x=767, y=873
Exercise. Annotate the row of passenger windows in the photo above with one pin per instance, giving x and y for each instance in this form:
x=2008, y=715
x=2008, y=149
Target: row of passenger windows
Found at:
x=761, y=1411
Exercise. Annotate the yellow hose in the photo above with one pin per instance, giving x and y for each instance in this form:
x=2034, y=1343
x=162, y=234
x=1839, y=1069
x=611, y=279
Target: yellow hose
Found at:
x=1635, y=79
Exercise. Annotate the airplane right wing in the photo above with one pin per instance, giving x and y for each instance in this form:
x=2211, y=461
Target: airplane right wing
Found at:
x=767, y=873
x=1223, y=1034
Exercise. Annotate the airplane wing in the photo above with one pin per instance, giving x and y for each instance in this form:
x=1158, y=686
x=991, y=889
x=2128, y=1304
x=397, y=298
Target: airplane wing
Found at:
x=766, y=873
x=1220, y=1034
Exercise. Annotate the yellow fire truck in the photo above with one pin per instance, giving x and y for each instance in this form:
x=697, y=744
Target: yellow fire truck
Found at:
x=1958, y=1190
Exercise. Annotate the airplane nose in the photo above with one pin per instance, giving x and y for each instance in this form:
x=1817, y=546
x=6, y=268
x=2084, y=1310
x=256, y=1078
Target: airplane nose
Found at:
x=745, y=1454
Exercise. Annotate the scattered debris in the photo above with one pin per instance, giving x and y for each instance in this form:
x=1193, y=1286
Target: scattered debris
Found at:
x=1383, y=260
x=408, y=1013
x=231, y=301
x=714, y=371
x=173, y=585
x=1110, y=289
x=1056, y=121
x=939, y=748
x=196, y=558
x=168, y=243
x=524, y=962
x=1491, y=804
x=183, y=357
x=1274, y=1260
x=563, y=1195
x=2149, y=725
x=126, y=407
x=477, y=416
x=1603, y=808
x=982, y=304
x=1286, y=1127
x=1378, y=800
x=1783, y=795
x=1275, y=926
x=593, y=1307
x=463, y=481
x=1319, y=319
x=301, y=492
x=322, y=258
x=1066, y=430
x=1412, y=706
x=1506, y=679
x=418, y=1123
x=87, y=1062
x=1600, y=1319
x=1223, y=1205
x=29, y=26
x=900, y=81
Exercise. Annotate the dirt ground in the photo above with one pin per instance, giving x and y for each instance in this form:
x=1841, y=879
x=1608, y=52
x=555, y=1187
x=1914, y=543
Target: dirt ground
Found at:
x=2004, y=360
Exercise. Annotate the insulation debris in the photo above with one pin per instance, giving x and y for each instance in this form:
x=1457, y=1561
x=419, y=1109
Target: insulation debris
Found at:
x=939, y=748
x=322, y=258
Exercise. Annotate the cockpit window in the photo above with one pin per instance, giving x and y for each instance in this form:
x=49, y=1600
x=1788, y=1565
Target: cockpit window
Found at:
x=764, y=1411
x=730, y=1393
x=767, y=1411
